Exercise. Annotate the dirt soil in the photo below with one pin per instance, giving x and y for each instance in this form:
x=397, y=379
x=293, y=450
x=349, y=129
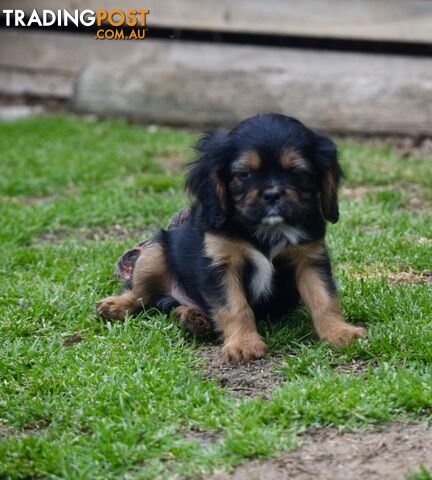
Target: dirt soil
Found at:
x=405, y=145
x=254, y=379
x=113, y=232
x=408, y=276
x=411, y=276
x=416, y=196
x=391, y=453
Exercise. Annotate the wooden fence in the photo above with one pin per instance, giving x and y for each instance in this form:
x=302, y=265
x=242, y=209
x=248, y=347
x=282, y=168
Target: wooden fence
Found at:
x=202, y=83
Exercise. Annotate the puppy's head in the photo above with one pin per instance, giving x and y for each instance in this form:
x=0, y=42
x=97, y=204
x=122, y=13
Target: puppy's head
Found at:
x=269, y=170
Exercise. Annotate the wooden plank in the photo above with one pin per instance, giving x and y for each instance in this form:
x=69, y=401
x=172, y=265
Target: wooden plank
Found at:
x=36, y=84
x=61, y=52
x=398, y=20
x=220, y=85
x=200, y=84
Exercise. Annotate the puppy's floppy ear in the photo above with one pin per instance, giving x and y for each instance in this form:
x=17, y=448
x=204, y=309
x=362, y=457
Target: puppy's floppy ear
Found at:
x=205, y=177
x=330, y=173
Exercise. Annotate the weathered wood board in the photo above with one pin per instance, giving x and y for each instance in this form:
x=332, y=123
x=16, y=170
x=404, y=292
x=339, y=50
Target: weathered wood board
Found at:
x=210, y=84
x=396, y=20
x=206, y=84
x=59, y=52
x=36, y=84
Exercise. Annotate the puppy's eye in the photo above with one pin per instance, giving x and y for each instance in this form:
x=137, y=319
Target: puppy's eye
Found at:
x=244, y=175
x=300, y=178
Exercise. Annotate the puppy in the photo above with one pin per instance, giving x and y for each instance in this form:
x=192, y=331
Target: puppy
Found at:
x=253, y=243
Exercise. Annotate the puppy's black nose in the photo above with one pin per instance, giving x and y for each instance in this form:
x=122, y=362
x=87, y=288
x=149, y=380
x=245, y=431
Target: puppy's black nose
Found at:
x=272, y=195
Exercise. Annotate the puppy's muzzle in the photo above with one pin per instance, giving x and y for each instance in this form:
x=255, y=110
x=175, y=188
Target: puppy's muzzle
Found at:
x=271, y=195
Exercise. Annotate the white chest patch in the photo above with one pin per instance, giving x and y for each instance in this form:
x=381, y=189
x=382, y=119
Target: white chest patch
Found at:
x=280, y=235
x=285, y=236
x=294, y=235
x=277, y=249
x=261, y=282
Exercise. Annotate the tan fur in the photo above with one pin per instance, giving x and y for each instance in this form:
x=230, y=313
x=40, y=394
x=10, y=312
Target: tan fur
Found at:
x=150, y=277
x=292, y=159
x=328, y=191
x=250, y=198
x=117, y=307
x=291, y=195
x=225, y=251
x=220, y=191
x=311, y=251
x=244, y=201
x=235, y=319
x=249, y=160
x=150, y=274
x=322, y=304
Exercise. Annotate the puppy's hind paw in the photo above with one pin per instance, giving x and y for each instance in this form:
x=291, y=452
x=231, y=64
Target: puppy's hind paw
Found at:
x=194, y=321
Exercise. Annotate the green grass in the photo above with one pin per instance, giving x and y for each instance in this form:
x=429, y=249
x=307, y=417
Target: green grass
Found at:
x=423, y=474
x=125, y=401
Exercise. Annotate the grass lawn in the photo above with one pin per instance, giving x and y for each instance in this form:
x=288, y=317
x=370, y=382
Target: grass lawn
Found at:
x=130, y=400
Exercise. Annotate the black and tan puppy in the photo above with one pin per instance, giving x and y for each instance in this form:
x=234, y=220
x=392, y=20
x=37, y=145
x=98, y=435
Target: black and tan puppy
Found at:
x=253, y=244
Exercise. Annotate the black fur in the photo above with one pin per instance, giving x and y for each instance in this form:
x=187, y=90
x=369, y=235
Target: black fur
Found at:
x=213, y=182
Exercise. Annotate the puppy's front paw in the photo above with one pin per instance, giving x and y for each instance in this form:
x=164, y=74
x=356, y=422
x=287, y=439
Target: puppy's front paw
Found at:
x=244, y=348
x=115, y=307
x=343, y=334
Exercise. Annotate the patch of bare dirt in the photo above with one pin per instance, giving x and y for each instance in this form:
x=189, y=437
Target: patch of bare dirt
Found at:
x=36, y=200
x=56, y=237
x=39, y=199
x=416, y=196
x=357, y=367
x=419, y=240
x=36, y=427
x=171, y=162
x=203, y=437
x=6, y=431
x=254, y=379
x=371, y=229
x=354, y=193
x=70, y=340
x=28, y=429
x=389, y=453
x=411, y=276
x=409, y=147
x=402, y=276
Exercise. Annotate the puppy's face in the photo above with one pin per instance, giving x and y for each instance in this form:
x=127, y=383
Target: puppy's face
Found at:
x=272, y=186
x=270, y=170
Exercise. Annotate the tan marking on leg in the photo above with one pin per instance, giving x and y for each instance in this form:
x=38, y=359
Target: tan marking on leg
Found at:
x=310, y=251
x=225, y=251
x=236, y=320
x=322, y=303
x=242, y=343
x=150, y=277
